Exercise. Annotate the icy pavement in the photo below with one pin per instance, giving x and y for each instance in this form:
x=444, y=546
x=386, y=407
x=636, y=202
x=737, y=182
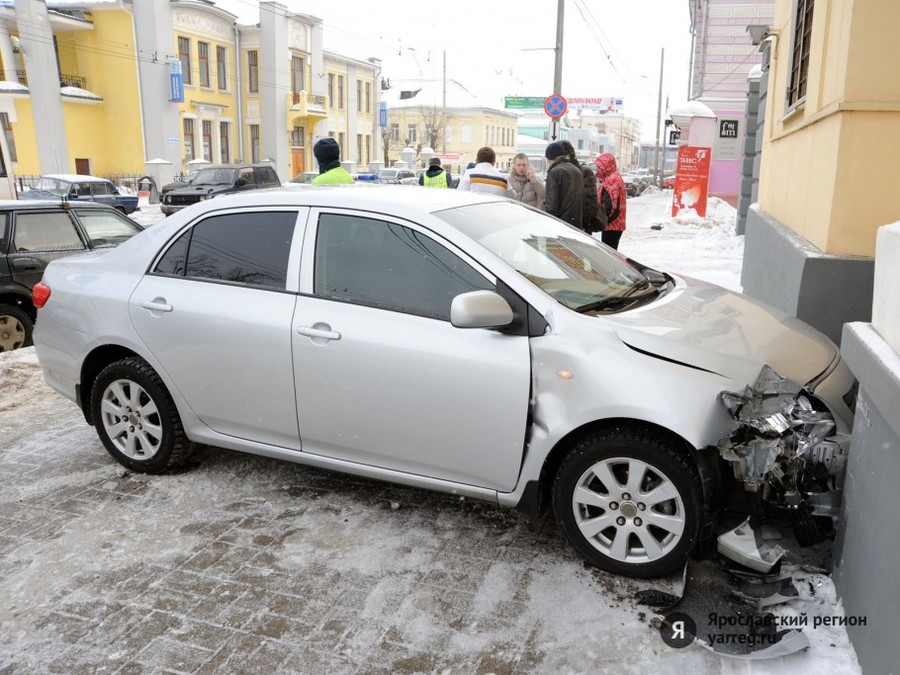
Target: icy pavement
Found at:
x=245, y=564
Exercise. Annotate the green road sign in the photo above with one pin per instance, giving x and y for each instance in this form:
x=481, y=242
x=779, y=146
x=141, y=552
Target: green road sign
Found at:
x=521, y=102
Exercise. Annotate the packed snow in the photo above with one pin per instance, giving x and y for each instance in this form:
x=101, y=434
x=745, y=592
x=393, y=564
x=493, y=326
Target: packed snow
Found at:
x=372, y=577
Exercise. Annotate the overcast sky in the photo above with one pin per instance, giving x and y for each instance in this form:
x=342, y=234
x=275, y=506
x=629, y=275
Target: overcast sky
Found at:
x=500, y=48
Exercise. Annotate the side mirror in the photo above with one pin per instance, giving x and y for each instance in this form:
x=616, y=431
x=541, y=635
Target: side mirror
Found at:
x=480, y=309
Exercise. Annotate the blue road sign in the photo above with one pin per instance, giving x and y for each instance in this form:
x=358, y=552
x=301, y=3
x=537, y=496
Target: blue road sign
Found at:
x=555, y=106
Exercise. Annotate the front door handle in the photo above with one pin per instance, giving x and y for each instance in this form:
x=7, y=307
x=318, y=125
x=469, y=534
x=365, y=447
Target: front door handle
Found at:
x=319, y=332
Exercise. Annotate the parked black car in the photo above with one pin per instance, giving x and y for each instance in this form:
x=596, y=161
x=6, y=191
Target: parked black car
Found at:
x=179, y=183
x=32, y=233
x=213, y=181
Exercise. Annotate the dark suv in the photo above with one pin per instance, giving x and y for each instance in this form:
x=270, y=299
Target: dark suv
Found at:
x=213, y=181
x=32, y=233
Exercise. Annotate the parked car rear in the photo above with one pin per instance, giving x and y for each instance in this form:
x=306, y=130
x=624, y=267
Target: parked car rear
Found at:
x=32, y=234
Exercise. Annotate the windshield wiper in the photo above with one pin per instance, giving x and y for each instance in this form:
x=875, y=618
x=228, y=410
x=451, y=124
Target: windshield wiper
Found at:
x=621, y=301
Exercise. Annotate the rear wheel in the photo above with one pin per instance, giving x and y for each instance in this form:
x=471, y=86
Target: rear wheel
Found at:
x=16, y=328
x=629, y=502
x=136, y=418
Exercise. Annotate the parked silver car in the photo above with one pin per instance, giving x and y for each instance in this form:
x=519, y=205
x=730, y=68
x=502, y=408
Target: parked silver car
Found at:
x=454, y=342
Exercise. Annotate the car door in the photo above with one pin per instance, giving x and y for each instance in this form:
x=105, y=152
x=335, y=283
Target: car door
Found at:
x=382, y=376
x=38, y=237
x=216, y=311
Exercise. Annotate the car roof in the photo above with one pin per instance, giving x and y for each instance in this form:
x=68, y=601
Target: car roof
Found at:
x=399, y=200
x=32, y=204
x=75, y=177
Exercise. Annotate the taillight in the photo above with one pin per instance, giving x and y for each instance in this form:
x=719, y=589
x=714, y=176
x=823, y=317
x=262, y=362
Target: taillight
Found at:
x=40, y=294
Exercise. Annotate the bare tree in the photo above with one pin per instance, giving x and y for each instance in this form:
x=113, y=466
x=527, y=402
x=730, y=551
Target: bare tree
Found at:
x=435, y=121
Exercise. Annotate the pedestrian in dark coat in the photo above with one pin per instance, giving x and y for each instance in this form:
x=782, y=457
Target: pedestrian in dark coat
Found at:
x=589, y=208
x=564, y=196
x=611, y=196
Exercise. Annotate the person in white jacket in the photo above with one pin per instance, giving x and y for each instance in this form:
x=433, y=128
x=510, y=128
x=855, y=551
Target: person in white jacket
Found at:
x=484, y=177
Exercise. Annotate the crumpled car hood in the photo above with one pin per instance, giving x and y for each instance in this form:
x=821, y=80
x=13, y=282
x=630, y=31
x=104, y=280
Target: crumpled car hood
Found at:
x=708, y=327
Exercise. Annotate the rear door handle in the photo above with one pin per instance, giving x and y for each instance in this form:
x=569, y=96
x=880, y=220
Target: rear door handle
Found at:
x=320, y=332
x=157, y=305
x=26, y=264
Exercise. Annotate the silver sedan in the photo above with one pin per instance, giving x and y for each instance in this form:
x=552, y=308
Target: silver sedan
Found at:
x=453, y=342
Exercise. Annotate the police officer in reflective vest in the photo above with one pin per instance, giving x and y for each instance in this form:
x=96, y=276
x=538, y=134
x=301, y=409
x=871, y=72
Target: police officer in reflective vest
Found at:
x=435, y=176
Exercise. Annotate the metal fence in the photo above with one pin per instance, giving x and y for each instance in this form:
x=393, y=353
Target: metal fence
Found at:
x=129, y=181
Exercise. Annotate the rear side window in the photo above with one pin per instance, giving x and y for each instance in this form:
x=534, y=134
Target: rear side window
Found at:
x=52, y=231
x=101, y=189
x=4, y=219
x=106, y=228
x=250, y=249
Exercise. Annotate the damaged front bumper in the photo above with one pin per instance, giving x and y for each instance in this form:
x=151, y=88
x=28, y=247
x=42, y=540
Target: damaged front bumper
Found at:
x=789, y=448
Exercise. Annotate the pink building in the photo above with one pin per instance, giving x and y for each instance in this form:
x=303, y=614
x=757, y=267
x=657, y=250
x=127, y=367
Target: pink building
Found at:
x=721, y=58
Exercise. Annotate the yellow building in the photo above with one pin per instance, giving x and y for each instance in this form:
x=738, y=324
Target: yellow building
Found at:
x=245, y=93
x=831, y=134
x=417, y=118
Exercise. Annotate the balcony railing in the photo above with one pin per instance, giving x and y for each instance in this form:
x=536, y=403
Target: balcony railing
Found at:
x=64, y=80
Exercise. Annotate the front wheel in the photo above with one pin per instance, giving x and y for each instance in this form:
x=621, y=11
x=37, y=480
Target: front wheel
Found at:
x=136, y=418
x=629, y=502
x=15, y=328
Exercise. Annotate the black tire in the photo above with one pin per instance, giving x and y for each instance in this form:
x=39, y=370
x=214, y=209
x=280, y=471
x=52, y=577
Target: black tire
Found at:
x=16, y=328
x=136, y=418
x=608, y=521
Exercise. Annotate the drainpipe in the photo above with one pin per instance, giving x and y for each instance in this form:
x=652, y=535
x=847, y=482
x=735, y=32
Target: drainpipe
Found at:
x=239, y=93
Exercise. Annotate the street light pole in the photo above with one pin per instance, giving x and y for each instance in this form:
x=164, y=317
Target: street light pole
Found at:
x=662, y=60
x=557, y=67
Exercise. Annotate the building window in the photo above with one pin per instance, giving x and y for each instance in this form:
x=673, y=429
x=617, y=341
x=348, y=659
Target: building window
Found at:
x=189, y=139
x=203, y=62
x=222, y=67
x=368, y=97
x=224, y=143
x=341, y=144
x=359, y=148
x=330, y=90
x=395, y=132
x=206, y=127
x=254, y=143
x=253, y=70
x=411, y=135
x=368, y=149
x=340, y=92
x=298, y=137
x=800, y=52
x=298, y=74
x=10, y=139
x=184, y=55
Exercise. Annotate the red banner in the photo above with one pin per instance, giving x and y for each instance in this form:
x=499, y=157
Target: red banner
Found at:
x=691, y=179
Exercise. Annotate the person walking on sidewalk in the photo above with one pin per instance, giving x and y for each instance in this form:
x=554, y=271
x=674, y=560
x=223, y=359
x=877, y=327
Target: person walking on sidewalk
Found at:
x=328, y=155
x=564, y=197
x=435, y=176
x=484, y=177
x=611, y=197
x=589, y=207
x=528, y=187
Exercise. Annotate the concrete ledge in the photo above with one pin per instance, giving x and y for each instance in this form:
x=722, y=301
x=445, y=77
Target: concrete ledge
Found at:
x=885, y=308
x=786, y=271
x=877, y=368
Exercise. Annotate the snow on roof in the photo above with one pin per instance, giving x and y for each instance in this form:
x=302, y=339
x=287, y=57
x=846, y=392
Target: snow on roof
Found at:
x=75, y=177
x=416, y=93
x=10, y=86
x=78, y=92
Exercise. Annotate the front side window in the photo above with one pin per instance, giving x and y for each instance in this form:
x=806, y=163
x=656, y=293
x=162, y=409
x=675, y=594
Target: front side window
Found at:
x=184, y=55
x=46, y=232
x=250, y=249
x=800, y=52
x=253, y=71
x=385, y=265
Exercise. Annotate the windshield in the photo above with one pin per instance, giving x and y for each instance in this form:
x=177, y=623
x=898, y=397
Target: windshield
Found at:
x=387, y=173
x=214, y=177
x=571, y=266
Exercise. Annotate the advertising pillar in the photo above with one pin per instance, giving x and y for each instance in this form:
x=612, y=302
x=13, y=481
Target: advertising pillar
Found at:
x=691, y=180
